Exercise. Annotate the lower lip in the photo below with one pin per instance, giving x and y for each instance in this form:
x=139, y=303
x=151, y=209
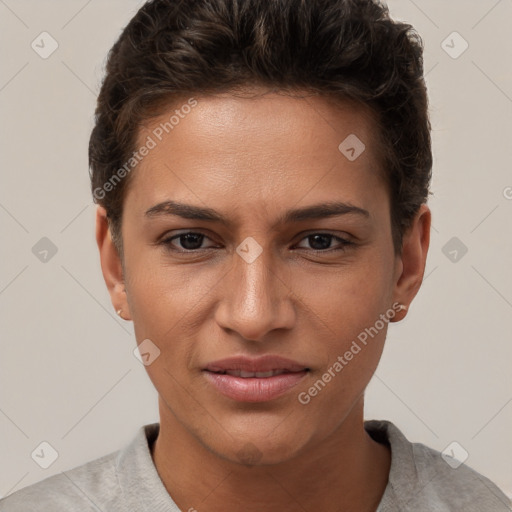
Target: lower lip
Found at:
x=254, y=389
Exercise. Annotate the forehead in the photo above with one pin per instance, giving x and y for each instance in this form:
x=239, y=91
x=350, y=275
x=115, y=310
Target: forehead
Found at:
x=244, y=119
x=254, y=147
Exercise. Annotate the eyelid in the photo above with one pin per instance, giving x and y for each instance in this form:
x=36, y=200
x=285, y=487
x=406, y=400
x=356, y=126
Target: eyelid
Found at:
x=167, y=239
x=344, y=242
x=343, y=235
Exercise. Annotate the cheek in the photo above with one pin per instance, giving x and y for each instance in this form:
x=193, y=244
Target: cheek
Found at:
x=348, y=298
x=160, y=292
x=338, y=385
x=348, y=309
x=168, y=306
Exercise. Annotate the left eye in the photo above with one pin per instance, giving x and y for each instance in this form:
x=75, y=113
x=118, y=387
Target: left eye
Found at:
x=324, y=239
x=192, y=241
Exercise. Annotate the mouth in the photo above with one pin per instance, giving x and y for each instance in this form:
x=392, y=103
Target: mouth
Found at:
x=243, y=366
x=254, y=380
x=258, y=375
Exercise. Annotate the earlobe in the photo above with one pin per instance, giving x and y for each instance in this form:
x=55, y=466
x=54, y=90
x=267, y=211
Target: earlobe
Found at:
x=413, y=260
x=111, y=265
x=400, y=312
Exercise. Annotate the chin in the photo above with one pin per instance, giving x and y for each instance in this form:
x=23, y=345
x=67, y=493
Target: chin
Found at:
x=258, y=448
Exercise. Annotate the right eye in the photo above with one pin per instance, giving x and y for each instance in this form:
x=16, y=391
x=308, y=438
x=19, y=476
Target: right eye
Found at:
x=190, y=241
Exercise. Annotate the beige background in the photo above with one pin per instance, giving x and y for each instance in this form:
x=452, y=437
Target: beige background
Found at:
x=68, y=374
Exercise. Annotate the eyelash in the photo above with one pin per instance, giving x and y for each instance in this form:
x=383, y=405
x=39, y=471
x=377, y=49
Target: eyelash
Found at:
x=167, y=243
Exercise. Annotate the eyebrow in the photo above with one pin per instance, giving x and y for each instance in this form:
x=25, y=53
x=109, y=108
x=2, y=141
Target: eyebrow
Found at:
x=317, y=211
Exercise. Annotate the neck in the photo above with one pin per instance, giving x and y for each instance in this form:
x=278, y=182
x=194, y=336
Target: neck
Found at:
x=346, y=471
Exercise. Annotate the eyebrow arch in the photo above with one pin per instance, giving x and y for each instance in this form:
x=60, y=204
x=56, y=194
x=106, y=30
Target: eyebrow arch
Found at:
x=317, y=211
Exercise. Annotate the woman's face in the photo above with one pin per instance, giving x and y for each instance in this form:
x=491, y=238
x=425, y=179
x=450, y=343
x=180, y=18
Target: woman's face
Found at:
x=260, y=282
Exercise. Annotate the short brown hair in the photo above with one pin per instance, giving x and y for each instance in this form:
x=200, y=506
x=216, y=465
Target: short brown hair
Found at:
x=346, y=49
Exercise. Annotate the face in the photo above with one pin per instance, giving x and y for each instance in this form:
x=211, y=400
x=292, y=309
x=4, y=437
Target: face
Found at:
x=252, y=269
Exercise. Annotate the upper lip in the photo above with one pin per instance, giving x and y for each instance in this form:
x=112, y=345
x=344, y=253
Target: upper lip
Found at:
x=255, y=364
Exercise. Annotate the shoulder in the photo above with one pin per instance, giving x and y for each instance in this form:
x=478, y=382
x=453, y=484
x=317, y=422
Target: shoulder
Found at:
x=89, y=487
x=119, y=481
x=444, y=481
x=422, y=478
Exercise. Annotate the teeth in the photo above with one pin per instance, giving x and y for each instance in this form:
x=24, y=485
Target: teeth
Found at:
x=259, y=375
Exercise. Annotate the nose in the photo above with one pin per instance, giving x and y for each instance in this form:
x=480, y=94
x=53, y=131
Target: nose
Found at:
x=256, y=298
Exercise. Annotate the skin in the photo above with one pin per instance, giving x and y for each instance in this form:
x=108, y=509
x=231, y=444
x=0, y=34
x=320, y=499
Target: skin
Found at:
x=252, y=159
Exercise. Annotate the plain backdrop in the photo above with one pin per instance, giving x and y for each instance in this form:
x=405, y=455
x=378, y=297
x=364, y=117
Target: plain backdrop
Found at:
x=67, y=369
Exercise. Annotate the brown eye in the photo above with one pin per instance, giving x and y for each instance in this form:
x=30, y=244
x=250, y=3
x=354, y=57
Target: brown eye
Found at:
x=185, y=242
x=321, y=242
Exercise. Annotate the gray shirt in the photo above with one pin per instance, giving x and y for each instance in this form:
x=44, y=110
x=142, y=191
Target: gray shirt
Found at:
x=127, y=481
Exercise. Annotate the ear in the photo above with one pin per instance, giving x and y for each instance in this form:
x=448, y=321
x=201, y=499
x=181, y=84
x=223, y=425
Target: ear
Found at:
x=411, y=264
x=111, y=265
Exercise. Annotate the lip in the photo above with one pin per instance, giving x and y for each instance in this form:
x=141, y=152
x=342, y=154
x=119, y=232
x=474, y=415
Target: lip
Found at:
x=255, y=389
x=255, y=364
